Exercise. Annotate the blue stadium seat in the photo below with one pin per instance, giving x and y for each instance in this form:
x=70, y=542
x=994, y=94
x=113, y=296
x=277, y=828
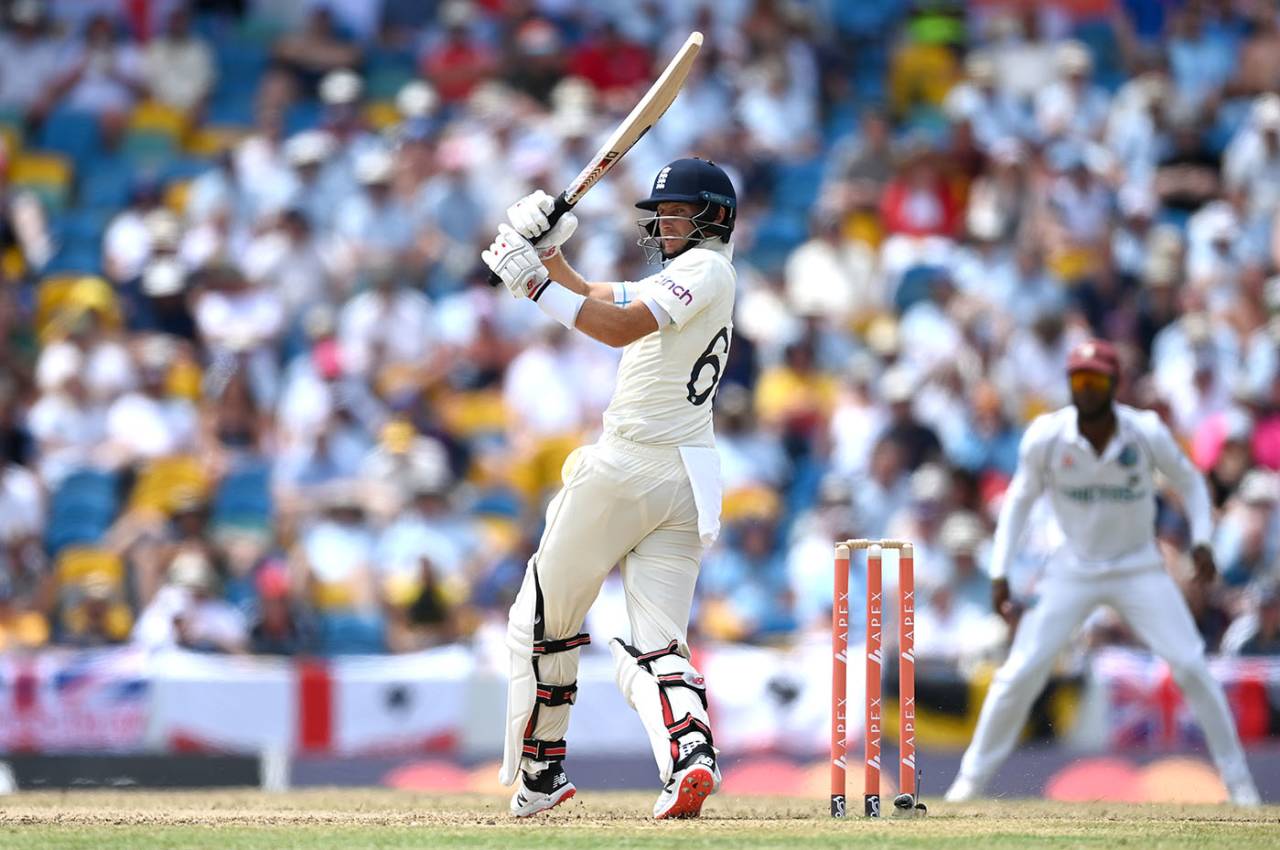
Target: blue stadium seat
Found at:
x=303, y=115
x=71, y=132
x=244, y=496
x=83, y=508
x=231, y=106
x=914, y=286
x=79, y=257
x=796, y=185
x=342, y=634
x=106, y=185
x=779, y=234
x=83, y=226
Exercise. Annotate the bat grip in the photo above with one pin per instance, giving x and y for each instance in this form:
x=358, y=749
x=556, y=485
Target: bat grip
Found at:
x=557, y=212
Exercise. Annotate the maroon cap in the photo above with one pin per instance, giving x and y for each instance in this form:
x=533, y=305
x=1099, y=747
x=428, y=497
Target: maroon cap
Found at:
x=1094, y=355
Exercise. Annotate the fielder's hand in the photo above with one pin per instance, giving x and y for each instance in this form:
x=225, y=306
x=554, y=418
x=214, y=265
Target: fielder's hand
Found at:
x=515, y=262
x=1003, y=604
x=1205, y=568
x=529, y=217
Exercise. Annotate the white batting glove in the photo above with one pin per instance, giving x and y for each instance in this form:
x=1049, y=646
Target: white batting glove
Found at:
x=516, y=262
x=529, y=217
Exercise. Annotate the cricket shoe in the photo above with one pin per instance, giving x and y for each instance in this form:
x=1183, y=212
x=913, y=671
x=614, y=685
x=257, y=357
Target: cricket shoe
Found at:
x=548, y=789
x=963, y=790
x=1244, y=793
x=696, y=778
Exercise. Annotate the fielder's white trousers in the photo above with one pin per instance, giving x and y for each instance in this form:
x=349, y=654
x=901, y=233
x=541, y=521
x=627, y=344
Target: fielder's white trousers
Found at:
x=621, y=502
x=1150, y=602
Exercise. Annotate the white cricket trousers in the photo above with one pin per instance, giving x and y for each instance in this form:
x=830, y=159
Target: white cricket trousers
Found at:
x=626, y=502
x=1150, y=602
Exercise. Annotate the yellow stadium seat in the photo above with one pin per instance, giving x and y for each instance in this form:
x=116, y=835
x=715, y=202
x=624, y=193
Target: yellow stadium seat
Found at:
x=382, y=114
x=332, y=596
x=164, y=482
x=40, y=167
x=46, y=174
x=61, y=296
x=175, y=196
x=12, y=263
x=211, y=141
x=12, y=137
x=76, y=564
x=152, y=117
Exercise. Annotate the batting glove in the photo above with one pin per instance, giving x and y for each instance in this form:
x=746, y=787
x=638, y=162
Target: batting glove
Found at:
x=529, y=217
x=516, y=262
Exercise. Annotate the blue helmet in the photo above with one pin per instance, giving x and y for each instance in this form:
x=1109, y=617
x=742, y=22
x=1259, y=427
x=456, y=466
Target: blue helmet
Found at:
x=693, y=181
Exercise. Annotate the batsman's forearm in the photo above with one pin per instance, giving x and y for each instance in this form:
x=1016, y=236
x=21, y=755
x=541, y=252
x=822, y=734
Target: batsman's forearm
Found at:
x=566, y=275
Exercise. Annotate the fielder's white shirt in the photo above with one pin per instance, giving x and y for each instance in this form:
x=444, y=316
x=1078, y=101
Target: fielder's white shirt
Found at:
x=1105, y=504
x=667, y=379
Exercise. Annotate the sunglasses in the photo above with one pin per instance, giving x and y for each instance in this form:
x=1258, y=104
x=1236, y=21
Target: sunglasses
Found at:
x=1096, y=381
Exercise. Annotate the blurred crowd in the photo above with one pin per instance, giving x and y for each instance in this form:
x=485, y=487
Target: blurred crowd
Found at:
x=257, y=396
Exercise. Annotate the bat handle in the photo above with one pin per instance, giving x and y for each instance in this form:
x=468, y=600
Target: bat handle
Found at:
x=557, y=212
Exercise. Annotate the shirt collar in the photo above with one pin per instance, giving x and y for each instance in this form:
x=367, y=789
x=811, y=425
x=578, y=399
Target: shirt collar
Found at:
x=1072, y=434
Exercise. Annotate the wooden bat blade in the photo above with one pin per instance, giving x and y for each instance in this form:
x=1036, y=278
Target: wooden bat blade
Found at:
x=645, y=114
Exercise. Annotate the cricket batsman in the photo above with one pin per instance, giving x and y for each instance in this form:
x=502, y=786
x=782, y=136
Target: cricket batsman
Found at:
x=646, y=495
x=1097, y=459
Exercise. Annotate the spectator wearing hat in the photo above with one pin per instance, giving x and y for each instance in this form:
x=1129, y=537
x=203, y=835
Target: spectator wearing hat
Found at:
x=850, y=289
x=421, y=610
x=335, y=554
x=150, y=422
x=1072, y=106
x=388, y=325
x=374, y=220
x=919, y=442
x=162, y=305
x=611, y=62
x=460, y=61
x=239, y=325
x=30, y=60
x=1189, y=175
x=744, y=595
x=66, y=425
x=1247, y=538
x=103, y=75
x=316, y=48
x=178, y=65
x=98, y=619
x=883, y=490
x=920, y=521
x=986, y=440
x=960, y=625
x=1202, y=55
x=992, y=112
x=187, y=613
x=834, y=516
x=279, y=626
x=22, y=512
x=127, y=243
x=1257, y=632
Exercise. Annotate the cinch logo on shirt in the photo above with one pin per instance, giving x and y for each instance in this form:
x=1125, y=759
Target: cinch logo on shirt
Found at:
x=678, y=291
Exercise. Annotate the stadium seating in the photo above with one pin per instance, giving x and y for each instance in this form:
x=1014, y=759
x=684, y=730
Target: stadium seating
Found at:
x=82, y=509
x=73, y=133
x=48, y=174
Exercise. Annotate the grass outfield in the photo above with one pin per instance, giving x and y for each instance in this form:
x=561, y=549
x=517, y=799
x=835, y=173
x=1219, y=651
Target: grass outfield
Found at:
x=310, y=820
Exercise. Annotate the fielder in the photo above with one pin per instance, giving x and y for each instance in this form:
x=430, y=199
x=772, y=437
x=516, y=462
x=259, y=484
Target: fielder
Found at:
x=646, y=495
x=1097, y=460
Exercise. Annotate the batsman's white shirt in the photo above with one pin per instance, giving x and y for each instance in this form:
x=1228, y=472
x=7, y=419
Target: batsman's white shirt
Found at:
x=666, y=380
x=1106, y=504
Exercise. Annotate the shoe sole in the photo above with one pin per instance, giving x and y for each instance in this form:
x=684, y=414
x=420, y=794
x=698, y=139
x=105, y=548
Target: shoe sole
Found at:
x=697, y=785
x=549, y=803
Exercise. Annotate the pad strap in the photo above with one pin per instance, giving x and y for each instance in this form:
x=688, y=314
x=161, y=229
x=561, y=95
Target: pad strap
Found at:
x=678, y=680
x=689, y=724
x=646, y=659
x=557, y=694
x=539, y=750
x=549, y=647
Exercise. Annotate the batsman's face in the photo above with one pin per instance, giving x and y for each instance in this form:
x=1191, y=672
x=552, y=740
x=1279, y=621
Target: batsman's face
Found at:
x=675, y=224
x=1091, y=392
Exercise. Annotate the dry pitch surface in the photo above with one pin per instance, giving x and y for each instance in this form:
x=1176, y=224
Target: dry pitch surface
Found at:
x=221, y=820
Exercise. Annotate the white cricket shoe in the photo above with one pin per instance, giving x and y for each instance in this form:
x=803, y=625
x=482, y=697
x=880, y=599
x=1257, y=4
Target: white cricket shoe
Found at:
x=695, y=779
x=1244, y=793
x=548, y=789
x=963, y=790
